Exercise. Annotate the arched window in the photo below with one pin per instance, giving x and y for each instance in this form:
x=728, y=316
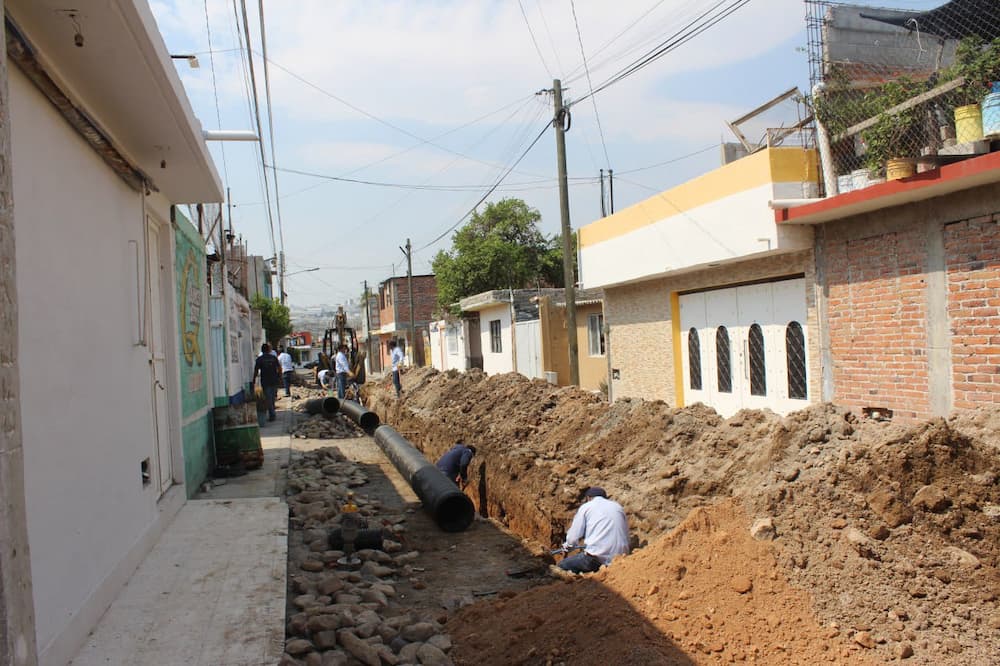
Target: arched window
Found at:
x=723, y=360
x=795, y=353
x=694, y=359
x=758, y=371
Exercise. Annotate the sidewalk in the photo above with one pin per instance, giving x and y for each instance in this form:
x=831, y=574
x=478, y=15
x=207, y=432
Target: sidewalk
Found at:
x=212, y=590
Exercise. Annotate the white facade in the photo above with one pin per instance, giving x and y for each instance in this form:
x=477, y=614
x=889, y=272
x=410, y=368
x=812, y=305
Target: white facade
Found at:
x=746, y=347
x=100, y=395
x=494, y=326
x=447, y=349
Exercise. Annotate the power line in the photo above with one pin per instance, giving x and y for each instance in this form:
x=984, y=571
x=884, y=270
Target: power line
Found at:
x=670, y=161
x=416, y=186
x=590, y=85
x=274, y=154
x=706, y=20
x=548, y=32
x=260, y=132
x=381, y=121
x=534, y=41
x=490, y=191
x=215, y=92
x=571, y=76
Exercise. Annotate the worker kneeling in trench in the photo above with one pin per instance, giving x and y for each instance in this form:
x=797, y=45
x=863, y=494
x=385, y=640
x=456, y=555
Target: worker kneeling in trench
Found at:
x=601, y=525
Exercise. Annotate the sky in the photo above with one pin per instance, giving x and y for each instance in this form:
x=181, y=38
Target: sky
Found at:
x=439, y=96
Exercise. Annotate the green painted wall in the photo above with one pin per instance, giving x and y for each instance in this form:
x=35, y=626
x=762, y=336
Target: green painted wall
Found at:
x=192, y=319
x=197, y=436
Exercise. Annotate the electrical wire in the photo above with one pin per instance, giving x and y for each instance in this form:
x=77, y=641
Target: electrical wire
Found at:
x=605, y=45
x=215, y=92
x=706, y=20
x=274, y=155
x=670, y=161
x=260, y=131
x=548, y=32
x=590, y=84
x=499, y=180
x=534, y=41
x=381, y=121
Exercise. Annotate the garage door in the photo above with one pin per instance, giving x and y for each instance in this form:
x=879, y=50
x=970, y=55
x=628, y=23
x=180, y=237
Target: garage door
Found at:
x=746, y=347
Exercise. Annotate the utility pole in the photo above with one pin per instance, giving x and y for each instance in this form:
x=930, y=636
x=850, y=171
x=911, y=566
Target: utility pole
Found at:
x=604, y=208
x=411, y=343
x=558, y=120
x=611, y=189
x=368, y=324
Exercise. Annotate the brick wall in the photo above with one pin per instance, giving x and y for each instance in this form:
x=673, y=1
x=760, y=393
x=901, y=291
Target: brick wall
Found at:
x=641, y=341
x=913, y=305
x=972, y=256
x=877, y=319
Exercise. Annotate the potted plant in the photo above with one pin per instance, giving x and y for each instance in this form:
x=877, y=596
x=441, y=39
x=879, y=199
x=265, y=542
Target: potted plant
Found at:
x=897, y=134
x=978, y=62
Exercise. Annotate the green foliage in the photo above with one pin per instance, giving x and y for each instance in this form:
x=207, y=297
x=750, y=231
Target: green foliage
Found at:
x=275, y=316
x=895, y=134
x=499, y=248
x=979, y=62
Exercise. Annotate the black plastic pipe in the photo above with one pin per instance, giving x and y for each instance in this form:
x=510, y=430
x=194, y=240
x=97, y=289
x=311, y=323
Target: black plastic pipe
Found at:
x=451, y=509
x=325, y=406
x=367, y=420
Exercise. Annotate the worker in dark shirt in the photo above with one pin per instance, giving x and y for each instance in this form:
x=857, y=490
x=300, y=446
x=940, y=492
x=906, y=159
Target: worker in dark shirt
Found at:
x=455, y=463
x=269, y=369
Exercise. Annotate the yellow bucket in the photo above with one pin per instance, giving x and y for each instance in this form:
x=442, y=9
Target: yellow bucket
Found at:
x=968, y=124
x=896, y=169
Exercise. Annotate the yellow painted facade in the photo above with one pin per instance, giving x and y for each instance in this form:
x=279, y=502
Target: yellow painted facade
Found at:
x=769, y=166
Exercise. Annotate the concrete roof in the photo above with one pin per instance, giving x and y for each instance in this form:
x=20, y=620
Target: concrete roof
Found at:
x=124, y=79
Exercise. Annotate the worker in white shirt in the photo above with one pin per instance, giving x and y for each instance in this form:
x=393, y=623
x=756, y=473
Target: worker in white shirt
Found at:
x=602, y=526
x=341, y=367
x=287, y=370
x=396, y=356
x=325, y=378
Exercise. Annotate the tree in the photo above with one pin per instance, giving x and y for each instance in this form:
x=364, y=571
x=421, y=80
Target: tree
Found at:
x=276, y=319
x=500, y=248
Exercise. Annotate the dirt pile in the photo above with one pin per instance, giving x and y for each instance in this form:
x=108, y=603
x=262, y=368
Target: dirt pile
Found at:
x=706, y=593
x=894, y=531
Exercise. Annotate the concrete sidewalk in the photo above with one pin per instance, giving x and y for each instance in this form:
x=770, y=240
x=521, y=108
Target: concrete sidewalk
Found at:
x=212, y=590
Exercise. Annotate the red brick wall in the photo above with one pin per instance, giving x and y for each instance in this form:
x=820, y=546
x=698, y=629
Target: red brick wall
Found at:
x=877, y=321
x=972, y=256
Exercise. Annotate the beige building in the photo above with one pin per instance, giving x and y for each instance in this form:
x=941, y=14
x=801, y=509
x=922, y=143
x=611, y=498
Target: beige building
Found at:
x=706, y=298
x=590, y=336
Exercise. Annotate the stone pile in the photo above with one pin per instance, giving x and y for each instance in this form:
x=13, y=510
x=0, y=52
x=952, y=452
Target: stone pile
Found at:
x=344, y=617
x=324, y=427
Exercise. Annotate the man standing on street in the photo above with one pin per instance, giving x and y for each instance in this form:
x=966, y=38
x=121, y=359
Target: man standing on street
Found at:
x=269, y=369
x=455, y=463
x=396, y=356
x=287, y=370
x=341, y=367
x=602, y=526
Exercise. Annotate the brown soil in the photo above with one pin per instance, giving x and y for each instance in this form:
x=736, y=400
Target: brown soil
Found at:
x=887, y=537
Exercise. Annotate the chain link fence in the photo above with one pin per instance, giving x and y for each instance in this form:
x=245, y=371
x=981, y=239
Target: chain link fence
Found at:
x=900, y=91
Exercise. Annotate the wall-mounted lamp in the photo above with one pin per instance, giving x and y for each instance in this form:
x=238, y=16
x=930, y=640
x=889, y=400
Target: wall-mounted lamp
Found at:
x=190, y=57
x=74, y=17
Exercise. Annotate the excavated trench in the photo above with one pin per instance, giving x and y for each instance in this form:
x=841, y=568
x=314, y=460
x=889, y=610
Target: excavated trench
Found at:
x=886, y=536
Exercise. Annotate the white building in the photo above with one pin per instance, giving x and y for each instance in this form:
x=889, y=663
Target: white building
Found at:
x=103, y=143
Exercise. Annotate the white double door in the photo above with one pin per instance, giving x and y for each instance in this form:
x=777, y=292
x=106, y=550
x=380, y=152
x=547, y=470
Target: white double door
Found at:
x=746, y=347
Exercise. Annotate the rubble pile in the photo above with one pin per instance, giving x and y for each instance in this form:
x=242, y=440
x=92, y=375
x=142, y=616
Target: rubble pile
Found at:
x=892, y=530
x=338, y=616
x=326, y=427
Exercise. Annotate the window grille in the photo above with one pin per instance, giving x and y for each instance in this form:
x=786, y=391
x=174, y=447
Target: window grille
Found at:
x=595, y=334
x=758, y=370
x=795, y=353
x=496, y=343
x=724, y=362
x=694, y=359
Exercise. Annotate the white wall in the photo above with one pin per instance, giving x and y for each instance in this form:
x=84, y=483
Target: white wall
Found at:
x=504, y=361
x=739, y=225
x=529, y=348
x=442, y=357
x=86, y=388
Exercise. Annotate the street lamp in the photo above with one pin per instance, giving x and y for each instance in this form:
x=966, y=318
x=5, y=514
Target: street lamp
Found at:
x=190, y=57
x=306, y=270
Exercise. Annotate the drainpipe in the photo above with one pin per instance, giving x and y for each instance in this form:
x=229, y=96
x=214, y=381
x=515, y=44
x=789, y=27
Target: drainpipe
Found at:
x=825, y=154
